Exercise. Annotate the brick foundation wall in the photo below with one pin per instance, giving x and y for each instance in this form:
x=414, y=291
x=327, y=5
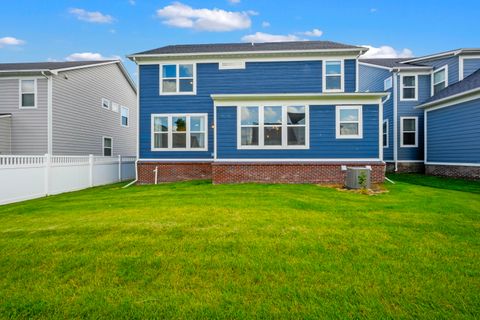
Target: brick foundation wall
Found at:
x=406, y=167
x=173, y=171
x=321, y=173
x=464, y=172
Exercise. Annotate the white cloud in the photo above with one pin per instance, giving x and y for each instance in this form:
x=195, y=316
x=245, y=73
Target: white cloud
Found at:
x=86, y=56
x=10, y=41
x=386, y=52
x=91, y=16
x=313, y=33
x=182, y=16
x=267, y=37
x=265, y=24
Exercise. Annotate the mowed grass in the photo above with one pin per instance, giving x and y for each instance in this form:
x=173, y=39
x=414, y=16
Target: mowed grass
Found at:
x=195, y=250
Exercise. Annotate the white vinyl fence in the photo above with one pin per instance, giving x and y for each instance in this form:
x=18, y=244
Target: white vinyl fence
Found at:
x=28, y=177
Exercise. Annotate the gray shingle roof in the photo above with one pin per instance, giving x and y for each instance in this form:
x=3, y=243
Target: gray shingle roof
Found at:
x=469, y=83
x=24, y=66
x=248, y=47
x=392, y=63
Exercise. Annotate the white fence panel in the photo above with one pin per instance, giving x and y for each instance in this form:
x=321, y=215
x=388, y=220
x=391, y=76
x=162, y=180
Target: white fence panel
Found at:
x=28, y=177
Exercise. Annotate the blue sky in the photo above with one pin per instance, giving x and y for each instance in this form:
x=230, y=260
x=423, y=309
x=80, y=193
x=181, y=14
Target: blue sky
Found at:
x=33, y=30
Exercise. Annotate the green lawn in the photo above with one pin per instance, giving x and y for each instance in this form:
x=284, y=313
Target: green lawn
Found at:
x=195, y=250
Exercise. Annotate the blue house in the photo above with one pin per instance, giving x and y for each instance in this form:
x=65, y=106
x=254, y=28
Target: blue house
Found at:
x=287, y=112
x=415, y=83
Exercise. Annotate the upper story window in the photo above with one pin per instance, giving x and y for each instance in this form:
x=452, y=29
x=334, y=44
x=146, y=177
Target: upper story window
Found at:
x=272, y=127
x=385, y=133
x=387, y=83
x=124, y=116
x=28, y=92
x=440, y=79
x=349, y=122
x=105, y=103
x=409, y=87
x=333, y=76
x=177, y=79
x=408, y=131
x=177, y=132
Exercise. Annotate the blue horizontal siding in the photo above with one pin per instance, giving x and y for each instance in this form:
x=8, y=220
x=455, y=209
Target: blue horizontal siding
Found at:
x=257, y=77
x=323, y=144
x=372, y=79
x=454, y=133
x=453, y=67
x=470, y=66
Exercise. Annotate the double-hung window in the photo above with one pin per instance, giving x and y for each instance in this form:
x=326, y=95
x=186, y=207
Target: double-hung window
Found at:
x=28, y=90
x=333, y=76
x=273, y=127
x=124, y=116
x=105, y=103
x=349, y=122
x=439, y=79
x=177, y=132
x=387, y=84
x=408, y=87
x=107, y=146
x=177, y=79
x=385, y=133
x=408, y=129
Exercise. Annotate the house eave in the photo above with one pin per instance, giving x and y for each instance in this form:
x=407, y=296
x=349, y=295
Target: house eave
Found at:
x=357, y=97
x=473, y=94
x=444, y=54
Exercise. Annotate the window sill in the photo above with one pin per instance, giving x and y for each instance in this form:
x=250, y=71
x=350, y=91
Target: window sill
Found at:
x=349, y=137
x=177, y=149
x=178, y=93
x=273, y=148
x=403, y=146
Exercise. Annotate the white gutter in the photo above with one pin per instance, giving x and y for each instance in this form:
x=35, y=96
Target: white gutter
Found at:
x=395, y=118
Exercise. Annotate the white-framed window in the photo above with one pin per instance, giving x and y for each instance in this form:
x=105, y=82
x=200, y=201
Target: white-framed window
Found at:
x=408, y=87
x=107, y=146
x=349, y=122
x=178, y=78
x=385, y=133
x=115, y=106
x=179, y=132
x=124, y=116
x=105, y=103
x=273, y=127
x=387, y=83
x=408, y=131
x=333, y=75
x=439, y=79
x=28, y=93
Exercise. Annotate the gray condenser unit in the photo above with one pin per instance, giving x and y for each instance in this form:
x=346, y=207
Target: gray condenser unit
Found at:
x=358, y=178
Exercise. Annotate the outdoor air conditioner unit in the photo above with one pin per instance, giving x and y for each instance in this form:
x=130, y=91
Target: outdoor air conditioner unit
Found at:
x=358, y=178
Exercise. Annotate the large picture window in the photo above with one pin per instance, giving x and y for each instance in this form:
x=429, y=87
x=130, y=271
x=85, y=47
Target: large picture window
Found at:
x=349, y=122
x=176, y=132
x=273, y=127
x=177, y=79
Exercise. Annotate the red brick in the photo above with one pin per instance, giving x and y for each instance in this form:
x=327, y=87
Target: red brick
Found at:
x=173, y=171
x=464, y=172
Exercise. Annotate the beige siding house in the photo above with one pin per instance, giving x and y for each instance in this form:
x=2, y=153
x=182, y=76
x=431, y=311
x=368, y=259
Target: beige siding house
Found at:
x=67, y=108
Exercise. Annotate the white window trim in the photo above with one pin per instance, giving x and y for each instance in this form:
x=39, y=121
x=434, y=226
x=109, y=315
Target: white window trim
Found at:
x=360, y=122
x=103, y=145
x=178, y=93
x=401, y=87
x=109, y=103
x=261, y=143
x=170, y=131
x=35, y=102
x=387, y=133
x=128, y=116
x=445, y=67
x=116, y=108
x=390, y=85
x=342, y=75
x=401, y=132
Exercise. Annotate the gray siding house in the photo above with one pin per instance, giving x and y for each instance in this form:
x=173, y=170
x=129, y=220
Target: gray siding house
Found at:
x=67, y=108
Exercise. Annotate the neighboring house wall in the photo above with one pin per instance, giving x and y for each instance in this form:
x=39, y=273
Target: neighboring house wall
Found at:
x=453, y=67
x=5, y=134
x=470, y=65
x=257, y=77
x=371, y=79
x=28, y=126
x=80, y=121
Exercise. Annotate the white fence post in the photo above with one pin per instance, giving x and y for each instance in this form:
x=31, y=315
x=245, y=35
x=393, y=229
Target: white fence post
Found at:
x=119, y=168
x=47, y=173
x=90, y=163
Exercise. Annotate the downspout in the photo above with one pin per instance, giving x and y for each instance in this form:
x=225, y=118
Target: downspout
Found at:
x=138, y=127
x=395, y=119
x=49, y=113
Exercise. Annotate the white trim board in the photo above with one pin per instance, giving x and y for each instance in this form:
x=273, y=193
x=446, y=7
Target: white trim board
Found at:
x=453, y=164
x=326, y=160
